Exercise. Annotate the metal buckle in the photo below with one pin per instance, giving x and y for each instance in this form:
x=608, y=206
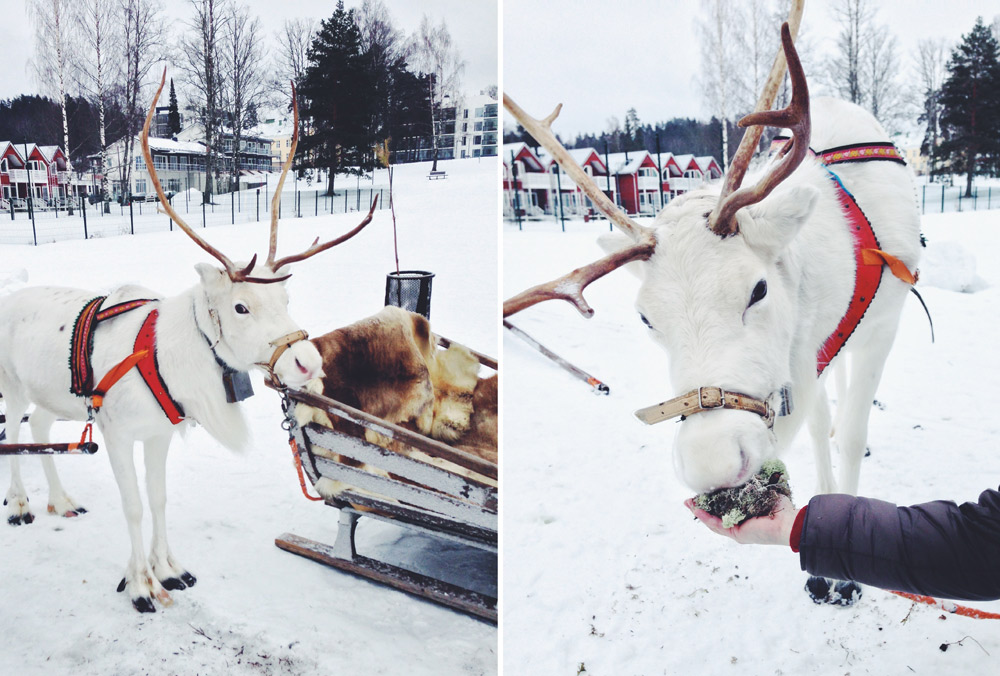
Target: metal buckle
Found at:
x=721, y=397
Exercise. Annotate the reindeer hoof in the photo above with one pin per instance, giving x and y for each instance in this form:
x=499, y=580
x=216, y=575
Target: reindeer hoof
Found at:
x=818, y=588
x=845, y=593
x=18, y=519
x=189, y=579
x=173, y=584
x=841, y=593
x=144, y=605
x=121, y=586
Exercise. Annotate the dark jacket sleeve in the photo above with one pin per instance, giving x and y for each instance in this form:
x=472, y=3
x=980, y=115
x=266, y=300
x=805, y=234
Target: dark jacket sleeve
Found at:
x=937, y=548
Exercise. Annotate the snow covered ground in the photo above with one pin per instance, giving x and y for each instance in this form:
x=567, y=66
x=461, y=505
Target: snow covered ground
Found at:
x=255, y=609
x=605, y=571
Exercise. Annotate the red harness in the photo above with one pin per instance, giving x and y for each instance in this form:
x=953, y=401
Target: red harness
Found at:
x=143, y=357
x=869, y=259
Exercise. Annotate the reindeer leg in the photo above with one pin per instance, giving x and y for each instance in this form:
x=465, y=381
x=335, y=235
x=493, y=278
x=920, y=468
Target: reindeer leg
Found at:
x=819, y=430
x=139, y=580
x=166, y=569
x=16, y=500
x=59, y=502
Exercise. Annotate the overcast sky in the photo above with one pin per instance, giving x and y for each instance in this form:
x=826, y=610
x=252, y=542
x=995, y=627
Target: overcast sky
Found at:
x=472, y=24
x=600, y=58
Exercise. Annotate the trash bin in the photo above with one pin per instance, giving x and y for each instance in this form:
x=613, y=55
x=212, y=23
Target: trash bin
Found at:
x=410, y=290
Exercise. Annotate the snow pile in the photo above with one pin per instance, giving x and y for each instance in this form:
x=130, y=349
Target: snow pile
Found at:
x=255, y=609
x=606, y=572
x=950, y=266
x=12, y=280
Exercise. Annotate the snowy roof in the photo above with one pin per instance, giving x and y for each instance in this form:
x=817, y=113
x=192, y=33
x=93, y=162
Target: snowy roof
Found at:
x=280, y=126
x=684, y=161
x=517, y=149
x=706, y=161
x=579, y=155
x=166, y=145
x=636, y=158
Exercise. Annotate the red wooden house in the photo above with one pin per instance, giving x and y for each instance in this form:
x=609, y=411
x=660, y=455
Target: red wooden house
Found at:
x=638, y=181
x=525, y=179
x=669, y=171
x=13, y=178
x=575, y=202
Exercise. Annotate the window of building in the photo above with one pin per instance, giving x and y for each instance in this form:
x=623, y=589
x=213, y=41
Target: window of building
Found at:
x=479, y=112
x=140, y=186
x=479, y=126
x=477, y=140
x=3, y=166
x=140, y=163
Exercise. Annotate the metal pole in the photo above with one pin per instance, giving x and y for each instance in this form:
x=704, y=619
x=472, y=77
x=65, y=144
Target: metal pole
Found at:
x=923, y=202
x=31, y=201
x=258, y=205
x=562, y=212
x=316, y=203
x=83, y=210
x=131, y=216
x=517, y=196
x=607, y=165
x=942, y=198
x=232, y=207
x=203, y=214
x=659, y=169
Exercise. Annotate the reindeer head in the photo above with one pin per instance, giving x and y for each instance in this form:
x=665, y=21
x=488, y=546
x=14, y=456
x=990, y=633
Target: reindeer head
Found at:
x=712, y=291
x=243, y=310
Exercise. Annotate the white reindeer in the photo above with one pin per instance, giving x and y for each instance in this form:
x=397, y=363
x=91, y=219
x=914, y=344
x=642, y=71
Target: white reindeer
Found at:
x=235, y=318
x=744, y=289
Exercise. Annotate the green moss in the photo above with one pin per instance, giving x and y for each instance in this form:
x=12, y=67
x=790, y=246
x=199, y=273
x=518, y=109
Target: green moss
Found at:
x=757, y=497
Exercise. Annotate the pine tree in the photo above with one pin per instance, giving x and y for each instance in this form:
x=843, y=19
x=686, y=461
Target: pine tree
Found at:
x=970, y=99
x=338, y=98
x=173, y=115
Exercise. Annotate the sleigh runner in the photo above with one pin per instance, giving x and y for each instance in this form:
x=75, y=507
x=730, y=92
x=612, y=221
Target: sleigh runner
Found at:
x=407, y=479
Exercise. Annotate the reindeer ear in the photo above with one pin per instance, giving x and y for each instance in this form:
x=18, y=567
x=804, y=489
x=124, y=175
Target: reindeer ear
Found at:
x=775, y=222
x=211, y=276
x=616, y=241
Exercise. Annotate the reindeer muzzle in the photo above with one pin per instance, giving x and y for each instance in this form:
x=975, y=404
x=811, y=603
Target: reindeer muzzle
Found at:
x=280, y=345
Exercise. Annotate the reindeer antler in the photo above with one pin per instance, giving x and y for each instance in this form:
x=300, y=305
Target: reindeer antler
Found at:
x=164, y=204
x=316, y=247
x=570, y=287
x=795, y=117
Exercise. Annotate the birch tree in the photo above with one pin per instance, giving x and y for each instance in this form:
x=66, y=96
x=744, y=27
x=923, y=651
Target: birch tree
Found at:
x=199, y=61
x=244, y=83
x=720, y=64
x=93, y=22
x=52, y=29
x=435, y=55
x=930, y=61
x=143, y=36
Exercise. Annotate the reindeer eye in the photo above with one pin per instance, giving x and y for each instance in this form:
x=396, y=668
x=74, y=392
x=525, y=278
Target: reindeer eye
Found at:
x=759, y=292
x=242, y=309
x=645, y=321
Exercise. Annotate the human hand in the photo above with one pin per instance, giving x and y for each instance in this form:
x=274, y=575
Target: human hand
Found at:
x=772, y=529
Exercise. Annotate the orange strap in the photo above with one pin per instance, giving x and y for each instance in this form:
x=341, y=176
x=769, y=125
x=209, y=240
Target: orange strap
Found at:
x=896, y=266
x=113, y=376
x=298, y=467
x=950, y=607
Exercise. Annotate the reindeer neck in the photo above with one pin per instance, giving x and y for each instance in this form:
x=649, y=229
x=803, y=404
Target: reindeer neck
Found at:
x=189, y=366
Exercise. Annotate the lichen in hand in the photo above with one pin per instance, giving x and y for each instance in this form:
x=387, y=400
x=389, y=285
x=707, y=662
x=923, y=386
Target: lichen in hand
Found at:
x=757, y=497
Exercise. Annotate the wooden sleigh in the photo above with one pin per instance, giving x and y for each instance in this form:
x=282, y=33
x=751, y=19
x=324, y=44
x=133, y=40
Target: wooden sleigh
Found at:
x=458, y=506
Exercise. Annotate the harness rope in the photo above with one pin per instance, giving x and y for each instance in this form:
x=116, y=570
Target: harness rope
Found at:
x=949, y=607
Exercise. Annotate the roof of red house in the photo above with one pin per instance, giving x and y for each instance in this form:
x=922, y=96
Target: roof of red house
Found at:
x=522, y=152
x=636, y=159
x=582, y=156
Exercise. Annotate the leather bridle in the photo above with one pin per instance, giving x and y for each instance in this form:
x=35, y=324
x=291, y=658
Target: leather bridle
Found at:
x=712, y=398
